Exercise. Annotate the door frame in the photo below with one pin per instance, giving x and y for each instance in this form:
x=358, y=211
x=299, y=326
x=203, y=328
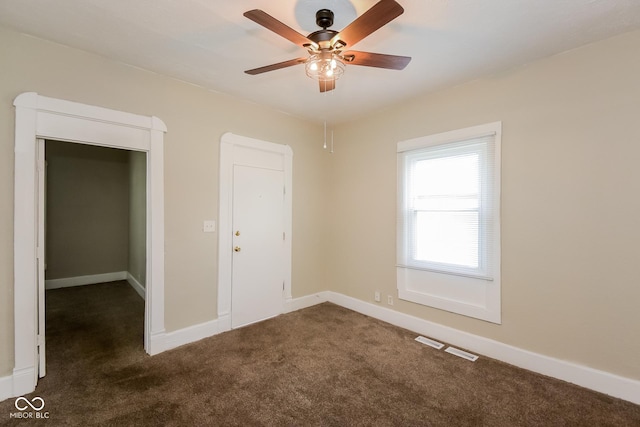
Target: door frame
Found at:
x=49, y=118
x=241, y=150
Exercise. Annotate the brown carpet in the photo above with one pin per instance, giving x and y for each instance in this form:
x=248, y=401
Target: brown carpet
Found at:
x=324, y=365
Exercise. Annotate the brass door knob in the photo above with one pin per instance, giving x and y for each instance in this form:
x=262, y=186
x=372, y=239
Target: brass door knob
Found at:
x=238, y=233
x=237, y=249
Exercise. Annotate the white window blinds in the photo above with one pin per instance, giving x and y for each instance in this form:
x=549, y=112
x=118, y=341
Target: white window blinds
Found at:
x=446, y=205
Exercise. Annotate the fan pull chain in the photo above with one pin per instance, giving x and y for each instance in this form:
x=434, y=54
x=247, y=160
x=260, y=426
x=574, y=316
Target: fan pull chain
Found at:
x=325, y=139
x=325, y=135
x=331, y=142
x=333, y=94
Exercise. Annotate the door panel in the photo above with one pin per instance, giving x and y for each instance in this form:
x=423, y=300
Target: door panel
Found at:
x=258, y=244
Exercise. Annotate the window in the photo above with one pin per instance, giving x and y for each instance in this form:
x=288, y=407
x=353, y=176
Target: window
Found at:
x=448, y=221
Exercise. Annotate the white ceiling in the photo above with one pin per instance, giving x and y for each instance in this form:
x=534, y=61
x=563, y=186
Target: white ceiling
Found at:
x=210, y=43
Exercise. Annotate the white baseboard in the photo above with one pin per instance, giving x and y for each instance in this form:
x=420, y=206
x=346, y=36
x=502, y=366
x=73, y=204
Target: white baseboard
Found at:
x=6, y=387
x=224, y=322
x=601, y=381
x=23, y=381
x=293, y=304
x=604, y=382
x=191, y=334
x=137, y=286
x=156, y=343
x=195, y=333
x=90, y=279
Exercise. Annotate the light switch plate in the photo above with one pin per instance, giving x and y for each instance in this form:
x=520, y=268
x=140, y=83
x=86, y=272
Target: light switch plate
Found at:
x=209, y=226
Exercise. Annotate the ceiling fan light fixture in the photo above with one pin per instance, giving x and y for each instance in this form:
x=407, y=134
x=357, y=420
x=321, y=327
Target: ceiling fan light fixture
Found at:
x=327, y=60
x=324, y=66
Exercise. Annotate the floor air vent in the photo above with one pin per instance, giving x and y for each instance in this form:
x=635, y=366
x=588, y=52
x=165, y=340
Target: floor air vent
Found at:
x=430, y=342
x=461, y=353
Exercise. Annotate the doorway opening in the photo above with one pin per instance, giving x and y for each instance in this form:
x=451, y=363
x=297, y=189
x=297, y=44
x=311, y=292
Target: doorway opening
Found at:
x=95, y=233
x=39, y=117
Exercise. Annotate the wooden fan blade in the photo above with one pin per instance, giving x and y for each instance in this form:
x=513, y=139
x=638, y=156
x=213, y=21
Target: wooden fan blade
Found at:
x=368, y=59
x=277, y=66
x=269, y=22
x=380, y=14
x=327, y=85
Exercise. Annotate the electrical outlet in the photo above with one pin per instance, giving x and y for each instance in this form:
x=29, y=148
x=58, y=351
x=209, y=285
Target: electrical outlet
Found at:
x=209, y=226
x=377, y=296
x=389, y=300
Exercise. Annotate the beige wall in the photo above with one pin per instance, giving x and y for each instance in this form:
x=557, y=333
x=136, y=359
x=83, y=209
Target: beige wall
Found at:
x=138, y=216
x=570, y=211
x=96, y=211
x=87, y=210
x=570, y=202
x=196, y=119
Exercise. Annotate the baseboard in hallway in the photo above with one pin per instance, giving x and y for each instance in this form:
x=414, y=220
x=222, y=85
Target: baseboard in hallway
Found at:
x=93, y=279
x=90, y=279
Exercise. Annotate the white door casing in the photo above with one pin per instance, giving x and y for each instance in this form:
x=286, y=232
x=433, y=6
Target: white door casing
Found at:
x=40, y=165
x=49, y=118
x=244, y=151
x=258, y=245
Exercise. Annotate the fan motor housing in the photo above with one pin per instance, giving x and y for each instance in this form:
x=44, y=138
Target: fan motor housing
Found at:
x=324, y=18
x=322, y=35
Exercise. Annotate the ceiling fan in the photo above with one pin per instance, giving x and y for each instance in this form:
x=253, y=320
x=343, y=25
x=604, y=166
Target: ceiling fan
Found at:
x=327, y=57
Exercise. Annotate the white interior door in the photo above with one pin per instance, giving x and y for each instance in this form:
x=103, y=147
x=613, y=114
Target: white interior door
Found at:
x=258, y=245
x=40, y=345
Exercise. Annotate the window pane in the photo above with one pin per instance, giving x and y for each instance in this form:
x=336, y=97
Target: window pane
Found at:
x=447, y=176
x=447, y=237
x=448, y=241
x=446, y=203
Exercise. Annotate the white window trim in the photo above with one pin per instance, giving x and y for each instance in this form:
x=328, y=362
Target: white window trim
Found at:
x=458, y=293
